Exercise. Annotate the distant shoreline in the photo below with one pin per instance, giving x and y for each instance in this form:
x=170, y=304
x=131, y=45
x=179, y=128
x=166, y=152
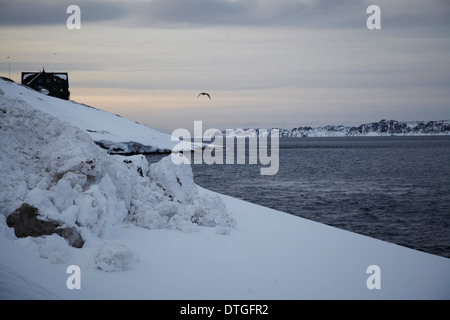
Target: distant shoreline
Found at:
x=374, y=129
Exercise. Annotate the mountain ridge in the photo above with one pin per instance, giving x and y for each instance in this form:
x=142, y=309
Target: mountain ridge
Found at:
x=380, y=128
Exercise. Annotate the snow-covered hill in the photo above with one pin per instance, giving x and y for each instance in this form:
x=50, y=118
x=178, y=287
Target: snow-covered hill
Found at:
x=380, y=128
x=113, y=132
x=150, y=233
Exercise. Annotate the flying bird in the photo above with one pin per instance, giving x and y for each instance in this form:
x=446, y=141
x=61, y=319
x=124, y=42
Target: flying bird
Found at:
x=204, y=94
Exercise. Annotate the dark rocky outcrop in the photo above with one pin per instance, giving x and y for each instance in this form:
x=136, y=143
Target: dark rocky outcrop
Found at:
x=25, y=222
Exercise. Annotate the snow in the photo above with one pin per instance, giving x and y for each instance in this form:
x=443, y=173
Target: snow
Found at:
x=62, y=76
x=111, y=129
x=375, y=129
x=151, y=233
x=112, y=257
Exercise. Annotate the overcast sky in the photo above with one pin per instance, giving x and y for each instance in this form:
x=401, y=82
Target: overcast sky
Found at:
x=266, y=63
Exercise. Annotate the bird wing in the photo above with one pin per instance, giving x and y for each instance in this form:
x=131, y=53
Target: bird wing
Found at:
x=204, y=94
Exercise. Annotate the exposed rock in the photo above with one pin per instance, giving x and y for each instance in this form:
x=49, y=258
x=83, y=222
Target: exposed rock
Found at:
x=25, y=222
x=72, y=236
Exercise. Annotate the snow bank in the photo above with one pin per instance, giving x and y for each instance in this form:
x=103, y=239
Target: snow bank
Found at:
x=58, y=169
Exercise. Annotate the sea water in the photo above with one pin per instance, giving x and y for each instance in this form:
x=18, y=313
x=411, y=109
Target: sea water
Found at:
x=395, y=189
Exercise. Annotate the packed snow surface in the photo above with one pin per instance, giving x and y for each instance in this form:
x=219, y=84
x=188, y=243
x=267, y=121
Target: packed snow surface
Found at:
x=151, y=233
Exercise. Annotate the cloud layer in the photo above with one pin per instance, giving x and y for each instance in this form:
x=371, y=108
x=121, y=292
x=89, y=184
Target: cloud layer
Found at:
x=207, y=13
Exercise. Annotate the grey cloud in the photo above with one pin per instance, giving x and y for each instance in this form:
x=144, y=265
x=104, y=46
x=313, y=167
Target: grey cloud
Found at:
x=311, y=14
x=206, y=13
x=197, y=13
x=45, y=12
x=415, y=14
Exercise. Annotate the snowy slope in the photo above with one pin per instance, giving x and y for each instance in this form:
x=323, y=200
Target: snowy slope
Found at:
x=270, y=255
x=153, y=234
x=110, y=129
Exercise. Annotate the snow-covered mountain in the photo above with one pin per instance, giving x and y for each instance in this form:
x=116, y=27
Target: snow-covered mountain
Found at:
x=150, y=233
x=392, y=127
x=380, y=128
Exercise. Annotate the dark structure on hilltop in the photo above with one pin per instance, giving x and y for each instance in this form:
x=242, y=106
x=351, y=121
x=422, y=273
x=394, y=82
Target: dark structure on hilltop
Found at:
x=55, y=84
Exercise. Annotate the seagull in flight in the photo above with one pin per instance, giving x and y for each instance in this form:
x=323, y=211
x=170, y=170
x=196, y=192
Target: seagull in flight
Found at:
x=204, y=94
